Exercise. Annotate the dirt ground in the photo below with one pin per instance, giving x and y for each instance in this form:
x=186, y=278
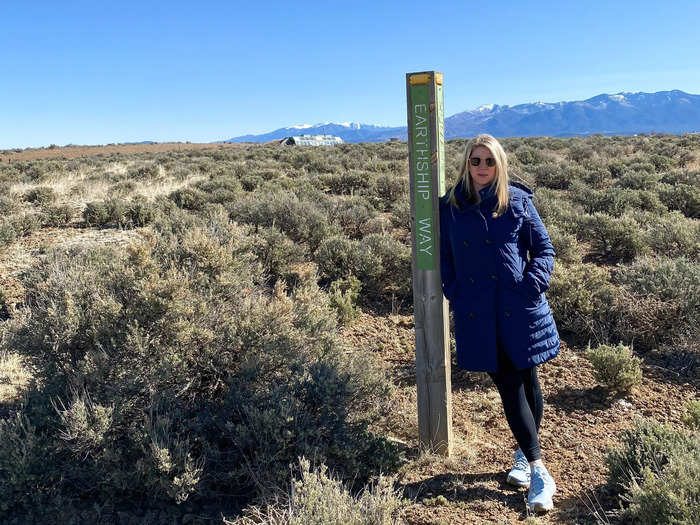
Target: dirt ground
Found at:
x=581, y=421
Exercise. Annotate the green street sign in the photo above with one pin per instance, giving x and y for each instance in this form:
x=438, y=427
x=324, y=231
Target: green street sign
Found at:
x=427, y=157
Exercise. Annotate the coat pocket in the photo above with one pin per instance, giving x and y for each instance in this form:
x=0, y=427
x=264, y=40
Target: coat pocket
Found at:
x=531, y=296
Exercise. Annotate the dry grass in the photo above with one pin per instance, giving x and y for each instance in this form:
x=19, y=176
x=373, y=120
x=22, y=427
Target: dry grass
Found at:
x=77, y=188
x=151, y=191
x=72, y=152
x=14, y=377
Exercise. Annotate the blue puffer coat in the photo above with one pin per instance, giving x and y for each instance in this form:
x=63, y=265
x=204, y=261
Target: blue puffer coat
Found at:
x=496, y=293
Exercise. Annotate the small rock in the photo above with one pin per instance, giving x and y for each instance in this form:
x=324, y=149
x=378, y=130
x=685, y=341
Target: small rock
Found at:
x=624, y=404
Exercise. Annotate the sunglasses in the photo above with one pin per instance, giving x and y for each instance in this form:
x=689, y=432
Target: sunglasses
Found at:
x=476, y=161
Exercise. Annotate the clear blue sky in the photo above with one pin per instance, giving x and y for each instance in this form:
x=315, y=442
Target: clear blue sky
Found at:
x=87, y=72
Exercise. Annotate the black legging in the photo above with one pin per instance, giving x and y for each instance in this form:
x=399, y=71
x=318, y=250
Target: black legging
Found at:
x=522, y=402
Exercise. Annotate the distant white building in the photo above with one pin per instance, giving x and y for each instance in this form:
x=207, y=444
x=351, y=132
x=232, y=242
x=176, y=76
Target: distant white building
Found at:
x=311, y=140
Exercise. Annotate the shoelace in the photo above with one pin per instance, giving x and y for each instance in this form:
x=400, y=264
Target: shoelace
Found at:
x=521, y=463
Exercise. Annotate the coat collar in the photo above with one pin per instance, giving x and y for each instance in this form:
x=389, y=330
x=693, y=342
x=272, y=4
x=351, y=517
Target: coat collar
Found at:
x=488, y=193
x=485, y=194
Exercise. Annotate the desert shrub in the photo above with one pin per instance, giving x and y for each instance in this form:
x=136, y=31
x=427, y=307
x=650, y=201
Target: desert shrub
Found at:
x=167, y=373
x=103, y=213
x=250, y=182
x=10, y=173
x=25, y=224
x=554, y=176
x=343, y=297
x=647, y=200
x=648, y=445
x=618, y=239
x=180, y=173
x=392, y=276
x=681, y=355
x=615, y=367
x=641, y=165
x=7, y=203
x=687, y=158
x=144, y=172
x=691, y=415
x=321, y=499
x=674, y=235
x=377, y=224
x=593, y=200
x=597, y=176
x=566, y=246
x=681, y=176
x=656, y=469
x=220, y=189
x=204, y=165
x=660, y=162
x=582, y=299
x=671, y=290
x=401, y=214
x=380, y=262
x=277, y=253
x=638, y=180
x=682, y=197
x=617, y=168
x=666, y=279
x=390, y=188
x=139, y=212
x=616, y=201
x=41, y=195
x=337, y=258
x=644, y=321
x=554, y=208
x=671, y=498
x=7, y=233
x=4, y=312
x=57, y=216
x=314, y=160
x=581, y=152
x=347, y=182
x=123, y=188
x=301, y=220
x=377, y=165
x=34, y=171
x=119, y=213
x=189, y=198
x=352, y=215
x=528, y=155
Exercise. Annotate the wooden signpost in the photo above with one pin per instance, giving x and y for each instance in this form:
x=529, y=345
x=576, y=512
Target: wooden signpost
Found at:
x=426, y=144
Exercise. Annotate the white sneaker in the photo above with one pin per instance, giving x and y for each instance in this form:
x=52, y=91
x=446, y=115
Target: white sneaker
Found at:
x=542, y=488
x=519, y=475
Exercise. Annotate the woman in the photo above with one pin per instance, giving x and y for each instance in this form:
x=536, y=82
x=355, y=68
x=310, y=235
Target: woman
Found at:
x=496, y=261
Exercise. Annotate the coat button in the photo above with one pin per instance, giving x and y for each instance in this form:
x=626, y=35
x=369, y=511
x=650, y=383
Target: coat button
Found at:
x=489, y=241
x=493, y=276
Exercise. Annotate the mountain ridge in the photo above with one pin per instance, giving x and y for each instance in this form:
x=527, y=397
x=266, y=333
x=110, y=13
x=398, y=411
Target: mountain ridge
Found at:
x=623, y=113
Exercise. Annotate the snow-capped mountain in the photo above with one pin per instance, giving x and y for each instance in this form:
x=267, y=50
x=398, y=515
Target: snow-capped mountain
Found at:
x=618, y=114
x=348, y=131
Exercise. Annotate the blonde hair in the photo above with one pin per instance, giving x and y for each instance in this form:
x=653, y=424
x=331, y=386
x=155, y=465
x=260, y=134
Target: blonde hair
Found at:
x=500, y=181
